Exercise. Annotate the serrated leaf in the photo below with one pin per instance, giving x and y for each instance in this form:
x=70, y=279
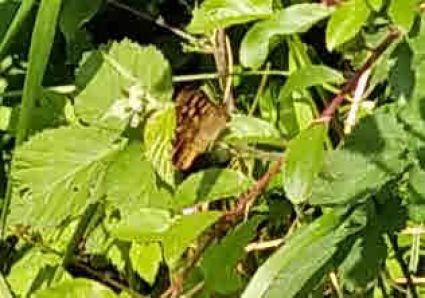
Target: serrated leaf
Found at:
x=346, y=22
x=250, y=130
x=139, y=223
x=297, y=18
x=34, y=271
x=373, y=154
x=219, y=261
x=130, y=181
x=146, y=259
x=79, y=287
x=56, y=173
x=403, y=13
x=108, y=80
x=302, y=78
x=305, y=254
x=304, y=159
x=158, y=136
x=209, y=185
x=214, y=14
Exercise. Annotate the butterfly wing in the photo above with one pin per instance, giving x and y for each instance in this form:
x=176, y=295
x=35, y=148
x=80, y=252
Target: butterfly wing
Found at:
x=199, y=123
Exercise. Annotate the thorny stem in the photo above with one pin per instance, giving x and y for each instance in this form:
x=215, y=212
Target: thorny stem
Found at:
x=230, y=218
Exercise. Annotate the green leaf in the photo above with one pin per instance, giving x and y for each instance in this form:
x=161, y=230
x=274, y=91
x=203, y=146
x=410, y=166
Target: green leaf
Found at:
x=75, y=14
x=210, y=185
x=130, y=181
x=36, y=270
x=158, y=136
x=116, y=84
x=219, y=261
x=79, y=287
x=304, y=159
x=139, y=223
x=375, y=4
x=41, y=44
x=297, y=18
x=373, y=154
x=250, y=130
x=403, y=13
x=214, y=14
x=302, y=78
x=184, y=232
x=416, y=188
x=146, y=259
x=346, y=22
x=5, y=292
x=303, y=256
x=56, y=173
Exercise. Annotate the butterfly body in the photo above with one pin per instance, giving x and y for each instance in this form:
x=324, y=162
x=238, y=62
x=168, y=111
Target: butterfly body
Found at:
x=199, y=123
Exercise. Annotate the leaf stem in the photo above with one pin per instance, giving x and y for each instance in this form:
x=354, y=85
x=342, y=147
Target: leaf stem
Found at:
x=214, y=75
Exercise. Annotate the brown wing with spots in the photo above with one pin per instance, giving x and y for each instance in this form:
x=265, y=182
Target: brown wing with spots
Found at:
x=199, y=123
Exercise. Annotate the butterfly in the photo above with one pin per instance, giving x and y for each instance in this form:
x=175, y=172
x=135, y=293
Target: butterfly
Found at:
x=199, y=123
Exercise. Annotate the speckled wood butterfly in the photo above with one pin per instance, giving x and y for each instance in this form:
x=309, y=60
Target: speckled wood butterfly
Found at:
x=199, y=123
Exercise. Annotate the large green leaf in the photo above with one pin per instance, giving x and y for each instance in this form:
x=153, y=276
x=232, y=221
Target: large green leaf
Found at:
x=219, y=261
x=209, y=185
x=158, y=136
x=403, y=13
x=303, y=256
x=346, y=22
x=78, y=287
x=116, y=84
x=57, y=172
x=214, y=14
x=304, y=159
x=297, y=18
x=130, y=181
x=372, y=155
x=302, y=78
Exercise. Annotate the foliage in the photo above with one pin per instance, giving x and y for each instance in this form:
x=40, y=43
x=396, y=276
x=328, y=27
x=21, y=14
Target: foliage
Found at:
x=315, y=187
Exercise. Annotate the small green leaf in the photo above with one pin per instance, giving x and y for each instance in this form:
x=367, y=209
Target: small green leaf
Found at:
x=139, y=223
x=303, y=256
x=403, y=13
x=291, y=110
x=297, y=18
x=78, y=287
x=209, y=185
x=250, y=130
x=56, y=173
x=158, y=136
x=346, y=22
x=214, y=14
x=219, y=261
x=146, y=259
x=304, y=159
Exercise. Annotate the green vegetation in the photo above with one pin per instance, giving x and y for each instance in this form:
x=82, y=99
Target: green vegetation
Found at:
x=316, y=187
